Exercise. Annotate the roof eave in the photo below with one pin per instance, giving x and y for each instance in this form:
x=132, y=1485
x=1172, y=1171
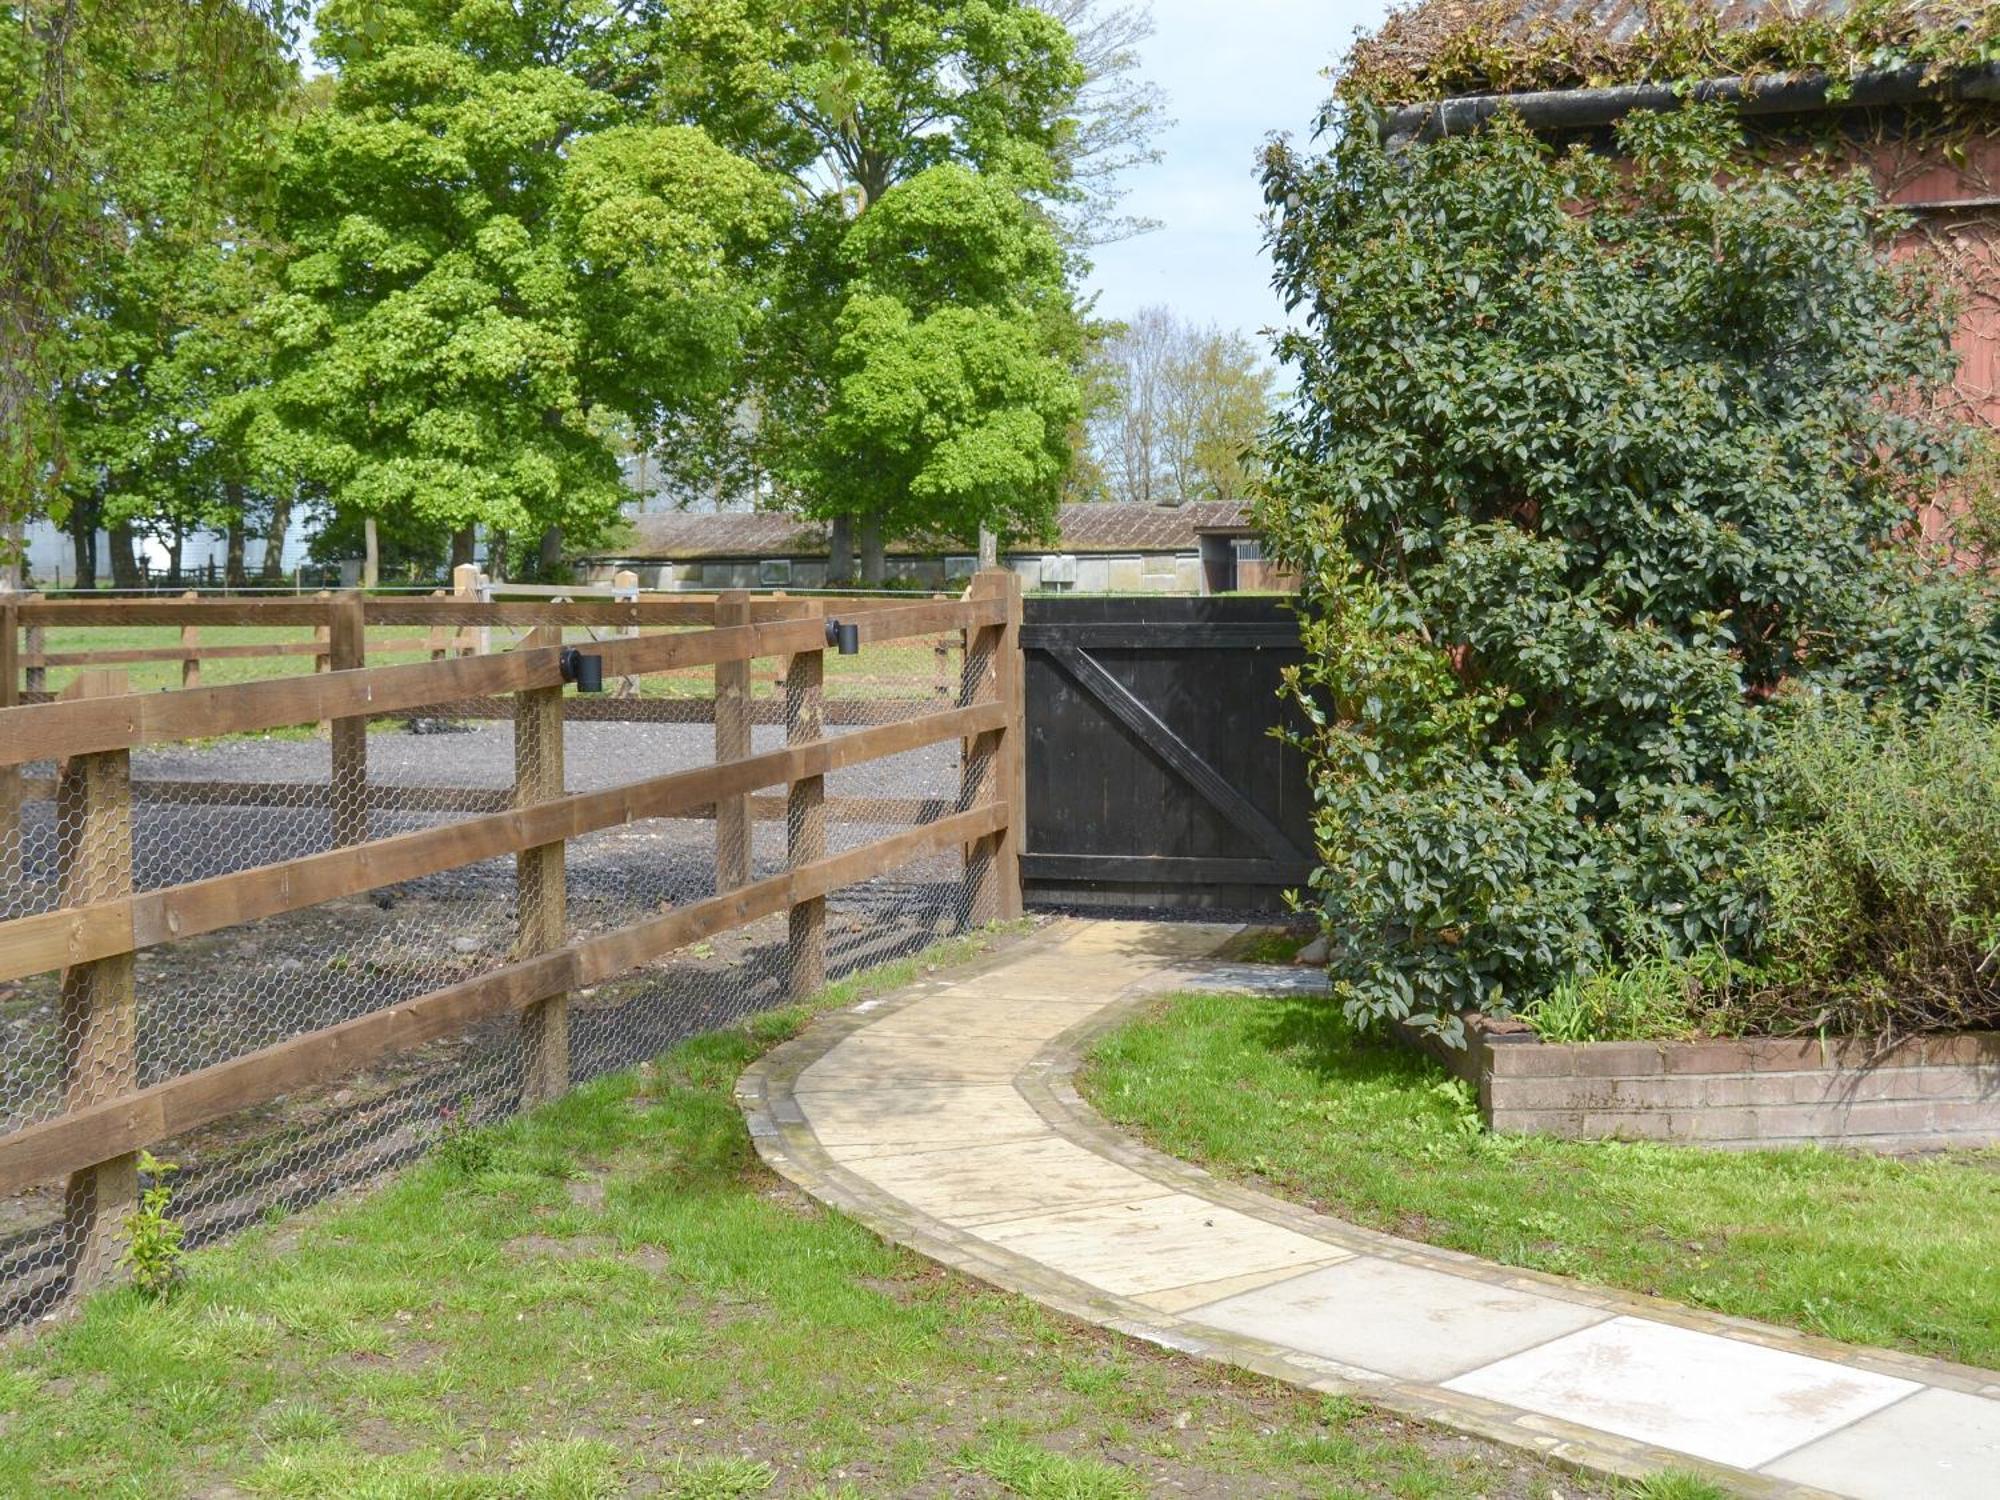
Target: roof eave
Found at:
x=1763, y=95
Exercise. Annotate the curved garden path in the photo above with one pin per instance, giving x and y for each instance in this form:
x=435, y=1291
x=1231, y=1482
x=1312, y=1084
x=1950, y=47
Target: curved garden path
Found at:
x=944, y=1118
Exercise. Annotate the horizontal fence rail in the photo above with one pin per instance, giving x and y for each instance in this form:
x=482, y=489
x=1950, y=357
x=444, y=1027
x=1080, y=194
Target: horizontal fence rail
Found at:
x=130, y=869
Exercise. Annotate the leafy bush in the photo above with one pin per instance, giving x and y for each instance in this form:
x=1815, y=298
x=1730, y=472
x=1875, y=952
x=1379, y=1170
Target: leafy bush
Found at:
x=1572, y=494
x=1881, y=868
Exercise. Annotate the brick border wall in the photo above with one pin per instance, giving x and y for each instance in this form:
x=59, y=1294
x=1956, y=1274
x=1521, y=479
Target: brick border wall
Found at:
x=1924, y=1093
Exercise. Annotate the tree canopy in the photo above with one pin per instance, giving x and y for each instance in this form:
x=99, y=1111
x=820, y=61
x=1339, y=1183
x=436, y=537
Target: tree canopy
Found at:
x=493, y=261
x=119, y=122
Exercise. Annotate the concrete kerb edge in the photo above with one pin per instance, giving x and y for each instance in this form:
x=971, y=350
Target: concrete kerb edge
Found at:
x=787, y=1145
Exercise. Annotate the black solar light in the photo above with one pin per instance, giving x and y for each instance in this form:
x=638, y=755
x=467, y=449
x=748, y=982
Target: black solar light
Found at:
x=584, y=668
x=846, y=637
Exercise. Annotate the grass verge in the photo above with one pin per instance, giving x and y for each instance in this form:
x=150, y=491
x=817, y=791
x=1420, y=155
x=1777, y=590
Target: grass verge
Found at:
x=1867, y=1249
x=613, y=1296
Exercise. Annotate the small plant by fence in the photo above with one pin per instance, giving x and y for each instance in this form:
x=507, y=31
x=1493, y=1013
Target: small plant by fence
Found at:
x=287, y=959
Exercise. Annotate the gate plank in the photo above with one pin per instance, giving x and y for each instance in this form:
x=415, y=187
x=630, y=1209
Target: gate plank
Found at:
x=1168, y=747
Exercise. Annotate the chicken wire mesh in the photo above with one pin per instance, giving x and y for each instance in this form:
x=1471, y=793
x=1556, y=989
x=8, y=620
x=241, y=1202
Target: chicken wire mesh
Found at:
x=196, y=811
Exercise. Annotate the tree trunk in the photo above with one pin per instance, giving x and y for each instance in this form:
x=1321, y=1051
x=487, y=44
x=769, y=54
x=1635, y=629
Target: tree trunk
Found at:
x=124, y=559
x=462, y=542
x=496, y=555
x=273, y=568
x=371, y=556
x=840, y=552
x=174, y=558
x=234, y=574
x=549, y=563
x=874, y=562
x=81, y=524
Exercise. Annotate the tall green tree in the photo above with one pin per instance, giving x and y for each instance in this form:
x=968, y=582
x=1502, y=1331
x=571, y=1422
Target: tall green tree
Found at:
x=95, y=96
x=950, y=392
x=967, y=111
x=499, y=261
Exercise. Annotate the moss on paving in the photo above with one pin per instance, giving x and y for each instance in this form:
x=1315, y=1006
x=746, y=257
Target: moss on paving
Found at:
x=613, y=1296
x=1873, y=1250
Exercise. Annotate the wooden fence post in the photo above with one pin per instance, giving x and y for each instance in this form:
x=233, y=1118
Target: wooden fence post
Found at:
x=539, y=880
x=99, y=1009
x=992, y=772
x=732, y=742
x=627, y=583
x=35, y=645
x=465, y=587
x=10, y=776
x=323, y=637
x=347, y=649
x=190, y=640
x=805, y=813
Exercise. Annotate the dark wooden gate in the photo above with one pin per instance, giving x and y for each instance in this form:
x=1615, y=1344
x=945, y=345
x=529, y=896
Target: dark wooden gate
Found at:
x=1153, y=779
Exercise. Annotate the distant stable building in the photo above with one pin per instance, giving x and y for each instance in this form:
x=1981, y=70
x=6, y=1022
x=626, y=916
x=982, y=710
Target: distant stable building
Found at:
x=1203, y=548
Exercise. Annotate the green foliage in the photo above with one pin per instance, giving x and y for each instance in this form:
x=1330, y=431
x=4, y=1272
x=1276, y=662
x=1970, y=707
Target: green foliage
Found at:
x=153, y=1251
x=1882, y=868
x=463, y=1147
x=115, y=119
x=1657, y=999
x=1182, y=411
x=1572, y=494
x=942, y=397
x=500, y=262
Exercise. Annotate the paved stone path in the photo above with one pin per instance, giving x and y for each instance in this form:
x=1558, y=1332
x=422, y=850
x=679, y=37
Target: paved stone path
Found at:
x=944, y=1118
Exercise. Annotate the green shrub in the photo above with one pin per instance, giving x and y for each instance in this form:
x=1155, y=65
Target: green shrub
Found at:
x=1880, y=867
x=1658, y=999
x=1572, y=494
x=153, y=1250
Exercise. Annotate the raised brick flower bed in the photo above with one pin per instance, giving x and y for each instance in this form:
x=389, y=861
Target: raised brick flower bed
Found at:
x=1921, y=1094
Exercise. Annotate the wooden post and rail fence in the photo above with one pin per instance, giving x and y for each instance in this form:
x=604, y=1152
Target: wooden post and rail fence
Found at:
x=100, y=921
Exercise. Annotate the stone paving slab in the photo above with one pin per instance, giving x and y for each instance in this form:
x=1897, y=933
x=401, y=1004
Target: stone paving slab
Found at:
x=894, y=1122
x=943, y=1118
x=1398, y=1320
x=1716, y=1398
x=871, y=1061
x=983, y=1184
x=1156, y=1244
x=1942, y=1445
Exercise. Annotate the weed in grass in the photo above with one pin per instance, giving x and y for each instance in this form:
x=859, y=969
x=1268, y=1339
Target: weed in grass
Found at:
x=570, y=1469
x=463, y=1149
x=299, y=1422
x=719, y=1478
x=1035, y=1473
x=153, y=1244
x=1676, y=1484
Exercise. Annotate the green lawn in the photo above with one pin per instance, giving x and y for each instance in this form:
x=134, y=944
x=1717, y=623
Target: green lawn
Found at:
x=1868, y=1249
x=613, y=1296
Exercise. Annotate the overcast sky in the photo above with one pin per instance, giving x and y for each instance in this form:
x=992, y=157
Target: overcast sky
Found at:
x=1234, y=71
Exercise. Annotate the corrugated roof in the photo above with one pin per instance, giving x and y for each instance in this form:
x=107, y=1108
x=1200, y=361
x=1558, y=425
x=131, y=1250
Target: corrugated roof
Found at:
x=676, y=536
x=1442, y=48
